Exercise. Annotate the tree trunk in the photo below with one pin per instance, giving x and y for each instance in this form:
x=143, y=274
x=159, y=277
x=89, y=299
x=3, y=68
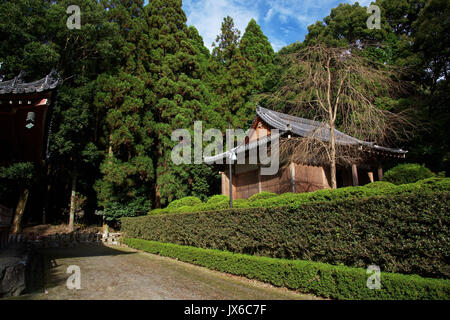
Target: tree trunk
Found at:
x=47, y=195
x=105, y=228
x=72, y=202
x=333, y=158
x=16, y=226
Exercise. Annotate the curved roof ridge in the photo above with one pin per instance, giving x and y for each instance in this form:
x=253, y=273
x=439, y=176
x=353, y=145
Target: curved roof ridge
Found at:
x=311, y=128
x=17, y=86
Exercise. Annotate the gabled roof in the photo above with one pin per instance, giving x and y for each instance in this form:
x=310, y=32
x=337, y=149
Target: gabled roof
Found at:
x=309, y=128
x=17, y=86
x=301, y=127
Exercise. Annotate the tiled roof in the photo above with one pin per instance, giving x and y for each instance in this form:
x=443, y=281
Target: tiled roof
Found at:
x=309, y=128
x=301, y=127
x=17, y=86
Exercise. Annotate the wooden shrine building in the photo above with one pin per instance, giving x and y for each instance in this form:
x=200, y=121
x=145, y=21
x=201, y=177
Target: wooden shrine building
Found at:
x=25, y=113
x=247, y=179
x=25, y=117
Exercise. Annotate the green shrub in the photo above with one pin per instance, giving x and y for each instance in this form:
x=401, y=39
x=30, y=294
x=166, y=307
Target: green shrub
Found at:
x=262, y=195
x=114, y=211
x=407, y=173
x=435, y=184
x=240, y=203
x=329, y=281
x=218, y=198
x=158, y=211
x=270, y=200
x=184, y=202
x=406, y=233
x=379, y=185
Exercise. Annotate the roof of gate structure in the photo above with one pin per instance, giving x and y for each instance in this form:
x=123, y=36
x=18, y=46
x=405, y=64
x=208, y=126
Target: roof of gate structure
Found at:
x=25, y=116
x=288, y=124
x=18, y=86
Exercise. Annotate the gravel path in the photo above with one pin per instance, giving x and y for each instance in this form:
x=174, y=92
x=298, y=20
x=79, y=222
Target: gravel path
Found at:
x=123, y=273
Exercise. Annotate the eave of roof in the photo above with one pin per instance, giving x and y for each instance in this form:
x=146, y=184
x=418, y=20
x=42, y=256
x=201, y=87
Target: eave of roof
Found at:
x=243, y=147
x=17, y=86
x=302, y=127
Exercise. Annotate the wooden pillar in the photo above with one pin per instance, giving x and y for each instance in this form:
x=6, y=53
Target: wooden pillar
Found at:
x=231, y=186
x=224, y=182
x=292, y=171
x=72, y=202
x=380, y=172
x=370, y=174
x=355, y=175
x=259, y=179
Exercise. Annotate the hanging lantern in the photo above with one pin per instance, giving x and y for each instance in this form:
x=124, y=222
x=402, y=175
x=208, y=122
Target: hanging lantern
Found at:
x=31, y=117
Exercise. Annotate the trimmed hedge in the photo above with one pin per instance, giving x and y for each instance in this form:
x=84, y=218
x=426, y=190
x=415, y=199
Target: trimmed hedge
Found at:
x=269, y=200
x=186, y=201
x=338, y=282
x=406, y=233
x=218, y=198
x=407, y=173
x=262, y=195
x=380, y=185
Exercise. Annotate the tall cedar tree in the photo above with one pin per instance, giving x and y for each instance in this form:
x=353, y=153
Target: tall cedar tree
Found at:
x=128, y=170
x=241, y=67
x=256, y=48
x=178, y=93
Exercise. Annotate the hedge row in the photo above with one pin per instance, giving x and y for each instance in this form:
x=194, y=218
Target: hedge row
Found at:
x=269, y=200
x=338, y=282
x=404, y=233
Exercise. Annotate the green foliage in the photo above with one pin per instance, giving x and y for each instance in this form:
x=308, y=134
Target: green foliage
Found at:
x=380, y=185
x=262, y=195
x=13, y=179
x=186, y=201
x=218, y=198
x=114, y=211
x=240, y=69
x=346, y=24
x=240, y=203
x=157, y=211
x=405, y=233
x=271, y=200
x=329, y=281
x=21, y=172
x=407, y=173
x=135, y=72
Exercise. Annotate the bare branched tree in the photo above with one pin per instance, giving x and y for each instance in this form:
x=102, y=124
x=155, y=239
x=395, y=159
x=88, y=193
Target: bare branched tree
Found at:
x=340, y=88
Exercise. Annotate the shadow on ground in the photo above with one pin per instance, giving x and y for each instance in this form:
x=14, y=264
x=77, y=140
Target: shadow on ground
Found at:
x=51, y=276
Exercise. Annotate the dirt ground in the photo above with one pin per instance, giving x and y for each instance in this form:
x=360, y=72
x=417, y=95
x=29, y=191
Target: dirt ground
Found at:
x=49, y=229
x=120, y=273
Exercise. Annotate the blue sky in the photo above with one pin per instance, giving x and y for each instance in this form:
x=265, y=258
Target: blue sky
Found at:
x=282, y=21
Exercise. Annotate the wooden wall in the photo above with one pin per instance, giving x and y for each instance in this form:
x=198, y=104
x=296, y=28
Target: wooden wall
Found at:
x=310, y=178
x=247, y=180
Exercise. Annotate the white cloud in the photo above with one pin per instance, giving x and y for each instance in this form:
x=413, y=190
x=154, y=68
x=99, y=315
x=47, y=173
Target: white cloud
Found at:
x=207, y=16
x=277, y=44
x=363, y=3
x=304, y=12
x=268, y=15
x=282, y=20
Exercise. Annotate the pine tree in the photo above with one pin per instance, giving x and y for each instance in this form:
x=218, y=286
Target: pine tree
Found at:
x=178, y=92
x=128, y=170
x=242, y=67
x=256, y=48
